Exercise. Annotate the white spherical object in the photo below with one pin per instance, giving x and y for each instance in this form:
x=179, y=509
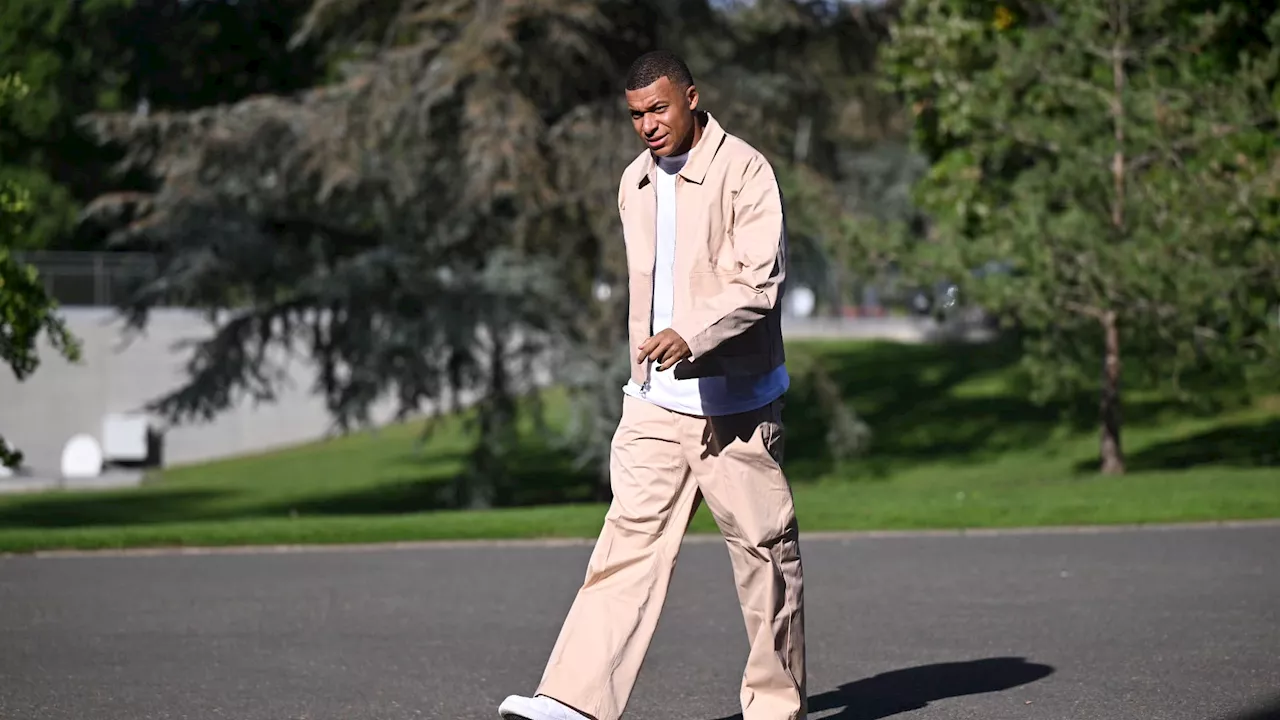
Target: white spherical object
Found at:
x=82, y=457
x=802, y=301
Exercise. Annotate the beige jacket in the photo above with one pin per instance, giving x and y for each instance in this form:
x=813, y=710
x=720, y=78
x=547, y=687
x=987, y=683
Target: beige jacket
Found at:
x=730, y=259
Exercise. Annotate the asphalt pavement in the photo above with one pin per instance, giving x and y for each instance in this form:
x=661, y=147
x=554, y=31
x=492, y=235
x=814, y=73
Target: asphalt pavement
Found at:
x=1135, y=625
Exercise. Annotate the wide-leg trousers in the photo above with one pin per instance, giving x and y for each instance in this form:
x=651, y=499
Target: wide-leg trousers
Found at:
x=663, y=464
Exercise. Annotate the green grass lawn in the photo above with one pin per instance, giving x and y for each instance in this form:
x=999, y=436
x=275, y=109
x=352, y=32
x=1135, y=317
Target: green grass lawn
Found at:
x=956, y=445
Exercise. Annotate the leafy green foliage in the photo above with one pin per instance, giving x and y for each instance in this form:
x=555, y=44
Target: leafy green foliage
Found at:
x=185, y=54
x=26, y=311
x=802, y=77
x=86, y=56
x=69, y=67
x=848, y=436
x=1120, y=158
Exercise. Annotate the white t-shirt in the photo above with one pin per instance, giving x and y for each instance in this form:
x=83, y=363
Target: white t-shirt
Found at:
x=693, y=396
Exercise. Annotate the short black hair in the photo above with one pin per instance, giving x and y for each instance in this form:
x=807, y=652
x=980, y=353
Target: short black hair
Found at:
x=656, y=64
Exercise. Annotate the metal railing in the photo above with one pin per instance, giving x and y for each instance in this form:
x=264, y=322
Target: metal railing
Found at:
x=104, y=279
x=93, y=279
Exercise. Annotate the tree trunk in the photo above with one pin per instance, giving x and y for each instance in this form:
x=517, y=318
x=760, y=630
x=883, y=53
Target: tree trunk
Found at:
x=487, y=480
x=1109, y=408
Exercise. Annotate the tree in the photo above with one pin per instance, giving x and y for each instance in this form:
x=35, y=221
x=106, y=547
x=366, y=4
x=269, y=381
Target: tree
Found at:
x=26, y=311
x=80, y=56
x=69, y=66
x=1120, y=157
x=415, y=227
x=803, y=73
x=444, y=208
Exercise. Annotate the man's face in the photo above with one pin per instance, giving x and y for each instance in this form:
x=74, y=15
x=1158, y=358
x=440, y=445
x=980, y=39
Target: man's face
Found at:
x=662, y=114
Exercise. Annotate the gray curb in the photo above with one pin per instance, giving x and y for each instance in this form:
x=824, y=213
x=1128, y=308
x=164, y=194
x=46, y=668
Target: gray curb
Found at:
x=699, y=538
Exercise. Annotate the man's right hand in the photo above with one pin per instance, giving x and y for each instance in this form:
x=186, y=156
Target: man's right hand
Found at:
x=666, y=348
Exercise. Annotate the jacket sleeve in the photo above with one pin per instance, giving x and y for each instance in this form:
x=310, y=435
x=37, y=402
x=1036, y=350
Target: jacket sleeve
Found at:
x=759, y=243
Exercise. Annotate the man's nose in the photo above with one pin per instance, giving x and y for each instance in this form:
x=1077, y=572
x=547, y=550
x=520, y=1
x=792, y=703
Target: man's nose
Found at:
x=649, y=125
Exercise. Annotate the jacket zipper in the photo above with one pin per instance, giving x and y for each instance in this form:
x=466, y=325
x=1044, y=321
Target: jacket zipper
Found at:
x=648, y=364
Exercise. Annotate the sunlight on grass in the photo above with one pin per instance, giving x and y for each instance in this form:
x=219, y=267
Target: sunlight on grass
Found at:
x=956, y=446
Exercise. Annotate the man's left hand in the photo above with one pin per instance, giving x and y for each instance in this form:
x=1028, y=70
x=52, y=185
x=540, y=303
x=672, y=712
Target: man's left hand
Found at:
x=666, y=348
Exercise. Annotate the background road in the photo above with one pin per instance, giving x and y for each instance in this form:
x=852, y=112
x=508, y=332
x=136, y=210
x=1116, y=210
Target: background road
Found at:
x=1177, y=624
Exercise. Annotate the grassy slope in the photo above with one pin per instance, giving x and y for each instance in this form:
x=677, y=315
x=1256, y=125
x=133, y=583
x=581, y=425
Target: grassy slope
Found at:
x=956, y=445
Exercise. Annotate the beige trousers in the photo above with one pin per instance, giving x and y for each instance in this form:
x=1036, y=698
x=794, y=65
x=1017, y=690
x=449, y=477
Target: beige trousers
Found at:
x=662, y=465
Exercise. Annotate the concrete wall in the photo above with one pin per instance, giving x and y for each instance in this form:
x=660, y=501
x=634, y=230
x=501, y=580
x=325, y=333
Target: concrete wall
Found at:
x=120, y=374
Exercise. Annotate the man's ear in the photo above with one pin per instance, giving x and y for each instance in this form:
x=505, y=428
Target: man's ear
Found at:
x=692, y=95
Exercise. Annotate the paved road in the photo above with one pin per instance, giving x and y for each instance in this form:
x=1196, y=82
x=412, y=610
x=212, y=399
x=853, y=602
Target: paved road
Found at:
x=1148, y=625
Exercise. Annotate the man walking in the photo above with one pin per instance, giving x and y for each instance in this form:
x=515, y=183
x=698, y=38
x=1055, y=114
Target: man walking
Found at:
x=703, y=224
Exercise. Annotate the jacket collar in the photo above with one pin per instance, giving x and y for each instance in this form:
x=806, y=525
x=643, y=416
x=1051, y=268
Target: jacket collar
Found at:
x=700, y=157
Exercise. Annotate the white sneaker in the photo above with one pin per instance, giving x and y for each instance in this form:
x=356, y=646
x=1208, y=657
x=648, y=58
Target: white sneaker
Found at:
x=539, y=707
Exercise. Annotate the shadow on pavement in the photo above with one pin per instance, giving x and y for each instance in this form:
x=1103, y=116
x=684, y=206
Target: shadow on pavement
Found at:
x=900, y=691
x=1266, y=711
